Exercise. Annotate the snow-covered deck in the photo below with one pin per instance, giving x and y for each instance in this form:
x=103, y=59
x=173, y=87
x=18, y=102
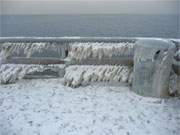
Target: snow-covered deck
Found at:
x=46, y=107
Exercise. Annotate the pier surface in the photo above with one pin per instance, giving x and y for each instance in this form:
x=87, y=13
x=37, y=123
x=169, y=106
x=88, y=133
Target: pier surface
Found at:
x=35, y=107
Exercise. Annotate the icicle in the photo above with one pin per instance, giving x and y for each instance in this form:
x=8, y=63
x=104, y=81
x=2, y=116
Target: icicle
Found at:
x=8, y=49
x=83, y=75
x=82, y=51
x=9, y=73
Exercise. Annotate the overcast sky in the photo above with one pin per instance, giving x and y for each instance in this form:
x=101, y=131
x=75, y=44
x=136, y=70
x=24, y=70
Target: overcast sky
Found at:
x=90, y=6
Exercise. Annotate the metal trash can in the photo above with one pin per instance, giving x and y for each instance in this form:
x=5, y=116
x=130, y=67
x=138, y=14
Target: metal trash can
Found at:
x=152, y=66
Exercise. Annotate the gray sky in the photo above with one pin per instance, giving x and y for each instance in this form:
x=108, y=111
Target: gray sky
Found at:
x=89, y=6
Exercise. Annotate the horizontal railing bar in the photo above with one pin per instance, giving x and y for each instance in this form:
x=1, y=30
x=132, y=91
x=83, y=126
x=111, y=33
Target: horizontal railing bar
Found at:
x=33, y=60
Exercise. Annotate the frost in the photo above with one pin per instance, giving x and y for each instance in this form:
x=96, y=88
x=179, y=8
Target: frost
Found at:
x=83, y=75
x=80, y=51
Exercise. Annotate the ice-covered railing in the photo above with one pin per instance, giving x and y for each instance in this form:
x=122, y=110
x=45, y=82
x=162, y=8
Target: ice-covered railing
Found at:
x=27, y=49
x=45, y=51
x=85, y=74
x=10, y=50
x=10, y=73
x=34, y=50
x=85, y=50
x=67, y=39
x=98, y=50
x=111, y=57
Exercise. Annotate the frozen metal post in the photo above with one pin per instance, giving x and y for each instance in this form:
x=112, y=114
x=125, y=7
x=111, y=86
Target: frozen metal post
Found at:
x=152, y=66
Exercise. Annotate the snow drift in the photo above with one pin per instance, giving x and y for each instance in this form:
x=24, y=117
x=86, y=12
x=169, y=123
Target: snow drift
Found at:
x=83, y=75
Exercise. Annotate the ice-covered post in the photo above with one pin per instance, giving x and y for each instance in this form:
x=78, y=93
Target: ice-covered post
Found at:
x=152, y=66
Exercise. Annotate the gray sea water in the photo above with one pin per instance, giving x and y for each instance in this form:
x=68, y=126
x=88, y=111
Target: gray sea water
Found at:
x=167, y=26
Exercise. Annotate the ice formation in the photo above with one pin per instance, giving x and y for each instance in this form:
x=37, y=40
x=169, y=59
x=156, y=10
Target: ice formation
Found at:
x=174, y=83
x=83, y=75
x=80, y=51
x=8, y=49
x=10, y=73
x=177, y=55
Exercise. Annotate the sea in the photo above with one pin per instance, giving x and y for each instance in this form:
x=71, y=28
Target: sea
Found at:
x=93, y=25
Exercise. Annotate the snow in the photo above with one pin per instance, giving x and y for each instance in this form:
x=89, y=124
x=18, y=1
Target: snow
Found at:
x=77, y=75
x=80, y=50
x=10, y=73
x=34, y=107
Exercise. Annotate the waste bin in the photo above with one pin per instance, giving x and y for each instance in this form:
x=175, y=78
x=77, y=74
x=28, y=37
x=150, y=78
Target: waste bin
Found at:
x=152, y=67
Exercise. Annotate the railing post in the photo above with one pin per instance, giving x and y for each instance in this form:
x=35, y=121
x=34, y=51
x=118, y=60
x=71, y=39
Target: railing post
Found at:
x=152, y=67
